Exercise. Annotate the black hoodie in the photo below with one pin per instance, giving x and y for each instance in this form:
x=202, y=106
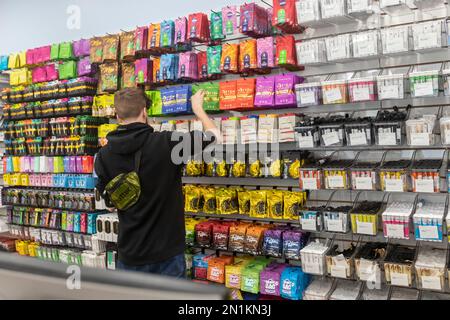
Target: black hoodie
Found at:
x=153, y=230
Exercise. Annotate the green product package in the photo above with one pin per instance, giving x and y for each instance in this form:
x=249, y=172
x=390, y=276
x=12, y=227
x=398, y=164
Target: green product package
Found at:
x=156, y=107
x=54, y=52
x=67, y=70
x=216, y=26
x=211, y=102
x=66, y=50
x=250, y=278
x=214, y=55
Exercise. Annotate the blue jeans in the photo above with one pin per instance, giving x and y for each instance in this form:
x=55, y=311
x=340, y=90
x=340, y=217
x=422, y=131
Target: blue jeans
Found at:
x=174, y=267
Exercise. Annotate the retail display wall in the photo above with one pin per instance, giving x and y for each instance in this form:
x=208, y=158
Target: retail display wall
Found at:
x=332, y=177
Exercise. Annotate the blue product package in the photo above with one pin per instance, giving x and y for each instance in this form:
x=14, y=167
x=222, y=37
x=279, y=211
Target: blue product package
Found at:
x=4, y=63
x=169, y=100
x=66, y=162
x=92, y=223
x=167, y=34
x=90, y=182
x=9, y=165
x=71, y=182
x=55, y=181
x=76, y=222
x=293, y=283
x=183, y=98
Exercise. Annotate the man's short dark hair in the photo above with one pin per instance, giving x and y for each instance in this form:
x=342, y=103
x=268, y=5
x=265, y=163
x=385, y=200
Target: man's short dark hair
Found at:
x=129, y=102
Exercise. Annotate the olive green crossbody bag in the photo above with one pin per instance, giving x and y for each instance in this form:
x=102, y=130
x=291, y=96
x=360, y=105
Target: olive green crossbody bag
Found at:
x=124, y=190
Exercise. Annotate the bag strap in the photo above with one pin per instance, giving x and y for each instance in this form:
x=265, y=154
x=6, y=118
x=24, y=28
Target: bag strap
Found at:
x=137, y=160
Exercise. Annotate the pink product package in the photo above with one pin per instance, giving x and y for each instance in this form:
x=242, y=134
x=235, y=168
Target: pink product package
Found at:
x=270, y=279
x=266, y=52
x=38, y=75
x=81, y=48
x=52, y=73
x=141, y=38
x=188, y=66
x=285, y=90
x=30, y=56
x=42, y=54
x=143, y=69
x=84, y=67
x=180, y=30
x=265, y=92
x=230, y=20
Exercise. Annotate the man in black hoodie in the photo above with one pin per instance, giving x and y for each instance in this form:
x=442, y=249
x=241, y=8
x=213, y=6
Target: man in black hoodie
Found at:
x=152, y=232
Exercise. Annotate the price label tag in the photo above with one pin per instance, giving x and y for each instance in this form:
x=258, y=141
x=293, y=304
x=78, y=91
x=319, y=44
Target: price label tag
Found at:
x=305, y=13
x=431, y=282
x=305, y=141
x=424, y=185
x=399, y=279
x=309, y=224
x=395, y=231
x=335, y=182
x=387, y=139
x=429, y=232
x=307, y=97
x=427, y=40
x=335, y=225
x=363, y=183
x=423, y=89
x=330, y=138
x=361, y=94
x=367, y=270
x=333, y=95
x=393, y=185
x=329, y=8
x=358, y=139
x=364, y=228
x=394, y=43
x=389, y=92
x=358, y=5
x=309, y=184
x=338, y=271
x=311, y=267
x=388, y=3
x=420, y=139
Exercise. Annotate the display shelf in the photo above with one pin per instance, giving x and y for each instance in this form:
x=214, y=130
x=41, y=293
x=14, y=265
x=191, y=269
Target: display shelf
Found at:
x=238, y=217
x=266, y=182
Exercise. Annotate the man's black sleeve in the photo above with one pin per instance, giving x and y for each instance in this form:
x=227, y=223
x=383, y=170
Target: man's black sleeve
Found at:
x=101, y=174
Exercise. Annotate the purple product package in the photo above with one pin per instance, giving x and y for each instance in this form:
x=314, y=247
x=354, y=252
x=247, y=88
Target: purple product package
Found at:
x=285, y=95
x=84, y=67
x=50, y=167
x=266, y=52
x=293, y=242
x=265, y=92
x=72, y=164
x=270, y=279
x=78, y=164
x=81, y=48
x=66, y=162
x=273, y=243
x=229, y=20
x=180, y=30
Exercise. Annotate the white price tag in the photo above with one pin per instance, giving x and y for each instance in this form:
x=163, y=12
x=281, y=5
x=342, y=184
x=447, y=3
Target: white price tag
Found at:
x=330, y=138
x=309, y=224
x=305, y=141
x=429, y=232
x=431, y=282
x=364, y=228
x=335, y=225
x=358, y=139
x=312, y=268
x=335, y=182
x=388, y=3
x=387, y=139
x=359, y=5
x=305, y=13
x=394, y=43
x=307, y=97
x=363, y=183
x=361, y=94
x=427, y=40
x=420, y=139
x=396, y=231
x=424, y=185
x=330, y=8
x=393, y=185
x=333, y=95
x=423, y=89
x=389, y=92
x=338, y=271
x=399, y=279
x=367, y=271
x=309, y=184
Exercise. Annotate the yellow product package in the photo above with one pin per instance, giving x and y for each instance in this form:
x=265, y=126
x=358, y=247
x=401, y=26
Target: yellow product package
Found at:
x=258, y=203
x=209, y=200
x=194, y=168
x=275, y=200
x=238, y=169
x=222, y=169
x=293, y=202
x=193, y=199
x=255, y=169
x=244, y=202
x=227, y=202
x=233, y=275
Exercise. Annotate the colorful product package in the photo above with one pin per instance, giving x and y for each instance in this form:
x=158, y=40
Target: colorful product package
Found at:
x=293, y=202
x=202, y=59
x=96, y=50
x=181, y=31
x=111, y=48
x=293, y=242
x=209, y=200
x=244, y=202
x=286, y=52
x=265, y=92
x=237, y=237
x=84, y=67
x=230, y=58
x=67, y=70
x=227, y=202
x=141, y=39
x=230, y=20
x=109, y=77
x=253, y=239
x=285, y=15
x=254, y=20
x=128, y=77
x=203, y=233
x=220, y=236
x=216, y=268
x=200, y=265
x=169, y=67
x=248, y=59
x=233, y=275
x=251, y=276
x=65, y=51
x=275, y=201
x=167, y=34
x=188, y=65
x=285, y=95
x=143, y=71
x=183, y=99
x=214, y=54
x=3, y=63
x=211, y=101
x=293, y=283
x=154, y=36
x=258, y=203
x=216, y=26
x=228, y=94
x=156, y=70
x=192, y=199
x=127, y=46
x=265, y=52
x=198, y=27
x=273, y=243
x=245, y=94
x=270, y=279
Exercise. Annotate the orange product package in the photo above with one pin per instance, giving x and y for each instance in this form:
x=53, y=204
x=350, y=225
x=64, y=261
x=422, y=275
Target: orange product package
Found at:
x=156, y=70
x=248, y=57
x=245, y=97
x=230, y=58
x=154, y=35
x=253, y=239
x=286, y=53
x=237, y=237
x=216, y=268
x=227, y=94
